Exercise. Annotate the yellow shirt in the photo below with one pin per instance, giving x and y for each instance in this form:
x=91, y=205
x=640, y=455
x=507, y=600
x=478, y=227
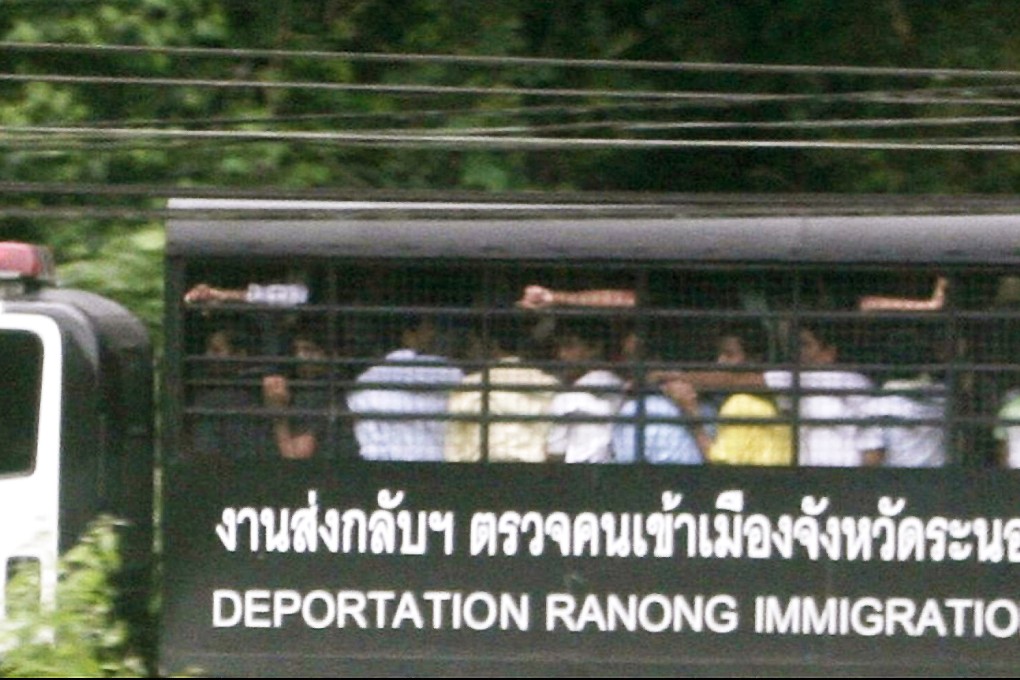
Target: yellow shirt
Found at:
x=509, y=442
x=755, y=444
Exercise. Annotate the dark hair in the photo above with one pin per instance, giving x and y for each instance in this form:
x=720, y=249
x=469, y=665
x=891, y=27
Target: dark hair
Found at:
x=826, y=334
x=592, y=332
x=408, y=322
x=312, y=329
x=394, y=327
x=903, y=350
x=752, y=337
x=661, y=342
x=505, y=331
x=240, y=333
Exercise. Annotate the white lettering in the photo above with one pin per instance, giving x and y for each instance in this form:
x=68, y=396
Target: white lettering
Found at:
x=407, y=609
x=959, y=607
x=647, y=610
x=869, y=624
x=620, y=612
x=328, y=609
x=256, y=602
x=381, y=609
x=285, y=603
x=871, y=616
x=899, y=611
x=844, y=616
x=351, y=603
x=691, y=613
x=612, y=612
x=455, y=610
x=1010, y=626
x=723, y=616
x=380, y=598
x=931, y=617
x=437, y=598
x=488, y=605
x=236, y=608
x=820, y=621
x=652, y=613
x=559, y=607
x=518, y=610
x=591, y=613
x=779, y=620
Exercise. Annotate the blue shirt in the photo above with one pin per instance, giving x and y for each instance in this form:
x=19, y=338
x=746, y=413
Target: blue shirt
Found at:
x=413, y=438
x=669, y=443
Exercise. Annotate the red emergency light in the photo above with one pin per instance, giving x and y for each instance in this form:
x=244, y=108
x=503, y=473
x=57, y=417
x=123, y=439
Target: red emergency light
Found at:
x=26, y=261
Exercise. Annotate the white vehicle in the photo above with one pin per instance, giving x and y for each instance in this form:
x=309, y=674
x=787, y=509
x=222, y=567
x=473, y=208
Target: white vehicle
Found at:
x=76, y=423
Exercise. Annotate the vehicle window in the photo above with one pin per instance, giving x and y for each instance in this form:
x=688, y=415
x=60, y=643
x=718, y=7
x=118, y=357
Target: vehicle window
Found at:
x=21, y=371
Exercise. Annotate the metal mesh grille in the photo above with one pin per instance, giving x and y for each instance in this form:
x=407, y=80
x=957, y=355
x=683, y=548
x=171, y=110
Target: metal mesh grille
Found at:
x=419, y=349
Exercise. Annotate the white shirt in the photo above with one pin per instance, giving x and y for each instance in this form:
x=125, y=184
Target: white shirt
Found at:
x=907, y=445
x=582, y=442
x=403, y=439
x=1008, y=428
x=826, y=444
x=282, y=294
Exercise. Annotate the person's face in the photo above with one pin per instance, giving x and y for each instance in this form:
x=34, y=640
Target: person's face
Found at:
x=575, y=350
x=630, y=347
x=813, y=352
x=219, y=346
x=423, y=337
x=309, y=351
x=474, y=347
x=731, y=351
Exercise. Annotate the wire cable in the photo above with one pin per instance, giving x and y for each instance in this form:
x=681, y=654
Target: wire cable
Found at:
x=392, y=89
x=638, y=126
x=462, y=142
x=599, y=204
x=699, y=98
x=491, y=61
x=641, y=126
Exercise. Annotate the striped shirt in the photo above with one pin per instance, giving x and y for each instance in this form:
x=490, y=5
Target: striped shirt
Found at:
x=398, y=390
x=906, y=444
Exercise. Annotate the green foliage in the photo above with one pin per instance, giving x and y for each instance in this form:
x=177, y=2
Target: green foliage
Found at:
x=481, y=171
x=890, y=33
x=127, y=268
x=82, y=636
x=122, y=257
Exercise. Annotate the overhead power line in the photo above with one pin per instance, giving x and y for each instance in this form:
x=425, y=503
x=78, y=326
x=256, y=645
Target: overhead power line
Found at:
x=465, y=142
x=636, y=125
x=393, y=89
x=508, y=61
x=652, y=204
x=958, y=96
x=639, y=126
x=543, y=110
x=543, y=135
